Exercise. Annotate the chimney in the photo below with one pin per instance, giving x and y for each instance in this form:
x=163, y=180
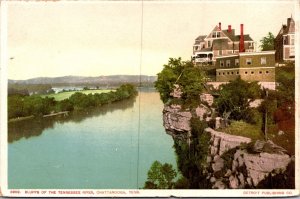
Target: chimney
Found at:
x=220, y=26
x=229, y=29
x=242, y=46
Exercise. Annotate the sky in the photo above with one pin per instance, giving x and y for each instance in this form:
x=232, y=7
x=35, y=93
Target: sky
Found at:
x=94, y=38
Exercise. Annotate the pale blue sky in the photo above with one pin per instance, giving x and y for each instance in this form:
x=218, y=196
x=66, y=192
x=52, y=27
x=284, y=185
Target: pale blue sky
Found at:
x=104, y=38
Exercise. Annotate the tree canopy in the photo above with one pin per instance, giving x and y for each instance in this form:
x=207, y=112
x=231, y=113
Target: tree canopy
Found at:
x=182, y=73
x=160, y=176
x=267, y=42
x=235, y=97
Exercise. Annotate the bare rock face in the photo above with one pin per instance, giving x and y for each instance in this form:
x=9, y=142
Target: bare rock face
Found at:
x=202, y=110
x=176, y=121
x=244, y=169
x=176, y=91
x=260, y=165
x=208, y=98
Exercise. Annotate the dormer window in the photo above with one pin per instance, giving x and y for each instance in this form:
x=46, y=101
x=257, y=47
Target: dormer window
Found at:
x=216, y=34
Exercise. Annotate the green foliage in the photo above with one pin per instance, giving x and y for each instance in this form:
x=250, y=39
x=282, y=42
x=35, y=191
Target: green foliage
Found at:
x=285, y=77
x=21, y=106
x=242, y=128
x=188, y=77
x=235, y=98
x=267, y=42
x=29, y=88
x=191, y=158
x=160, y=176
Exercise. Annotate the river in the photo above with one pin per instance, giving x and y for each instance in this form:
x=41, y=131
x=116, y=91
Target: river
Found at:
x=110, y=147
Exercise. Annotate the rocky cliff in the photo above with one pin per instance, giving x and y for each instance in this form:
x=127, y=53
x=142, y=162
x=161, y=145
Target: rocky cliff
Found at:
x=232, y=161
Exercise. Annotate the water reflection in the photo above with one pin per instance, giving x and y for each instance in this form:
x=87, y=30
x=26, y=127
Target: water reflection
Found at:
x=36, y=126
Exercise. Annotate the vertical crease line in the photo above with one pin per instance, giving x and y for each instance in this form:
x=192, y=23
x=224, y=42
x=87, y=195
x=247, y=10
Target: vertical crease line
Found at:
x=140, y=84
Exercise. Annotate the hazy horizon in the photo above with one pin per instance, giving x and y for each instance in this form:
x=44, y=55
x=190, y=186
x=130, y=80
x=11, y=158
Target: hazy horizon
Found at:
x=107, y=38
x=79, y=76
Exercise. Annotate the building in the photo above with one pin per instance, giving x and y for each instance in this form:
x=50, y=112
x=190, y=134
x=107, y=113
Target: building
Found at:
x=220, y=42
x=250, y=66
x=285, y=42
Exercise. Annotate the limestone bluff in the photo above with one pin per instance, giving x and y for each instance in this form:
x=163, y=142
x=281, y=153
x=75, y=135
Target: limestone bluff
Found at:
x=232, y=161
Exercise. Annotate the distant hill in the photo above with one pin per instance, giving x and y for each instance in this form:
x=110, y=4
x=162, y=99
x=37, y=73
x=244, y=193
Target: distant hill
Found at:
x=103, y=80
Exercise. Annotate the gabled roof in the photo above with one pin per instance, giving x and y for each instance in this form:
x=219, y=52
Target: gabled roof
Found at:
x=290, y=27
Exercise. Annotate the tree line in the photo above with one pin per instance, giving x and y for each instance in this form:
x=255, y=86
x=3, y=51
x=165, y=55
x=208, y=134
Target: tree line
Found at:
x=22, y=105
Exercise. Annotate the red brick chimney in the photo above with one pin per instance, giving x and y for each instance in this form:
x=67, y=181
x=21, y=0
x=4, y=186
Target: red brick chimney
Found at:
x=242, y=45
x=220, y=26
x=229, y=29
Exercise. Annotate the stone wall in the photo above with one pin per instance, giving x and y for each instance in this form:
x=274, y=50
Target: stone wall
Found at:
x=234, y=164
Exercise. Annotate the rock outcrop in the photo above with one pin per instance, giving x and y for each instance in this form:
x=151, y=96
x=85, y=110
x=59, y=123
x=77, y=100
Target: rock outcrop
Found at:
x=232, y=161
x=238, y=164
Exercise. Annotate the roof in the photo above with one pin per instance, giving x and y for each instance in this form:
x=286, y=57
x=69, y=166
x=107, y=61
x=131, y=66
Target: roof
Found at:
x=246, y=38
x=219, y=44
x=287, y=28
x=230, y=35
x=290, y=27
x=199, y=39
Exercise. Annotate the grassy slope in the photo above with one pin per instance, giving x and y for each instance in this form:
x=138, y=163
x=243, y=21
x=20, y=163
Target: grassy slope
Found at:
x=67, y=94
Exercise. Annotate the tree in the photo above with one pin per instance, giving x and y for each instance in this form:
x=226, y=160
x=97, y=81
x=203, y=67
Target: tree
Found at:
x=267, y=42
x=183, y=73
x=160, y=176
x=235, y=97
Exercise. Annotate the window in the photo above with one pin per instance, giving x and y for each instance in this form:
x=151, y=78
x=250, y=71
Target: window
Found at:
x=227, y=73
x=227, y=63
x=208, y=44
x=292, y=39
x=237, y=72
x=263, y=60
x=236, y=62
x=222, y=63
x=260, y=72
x=292, y=51
x=196, y=47
x=231, y=73
x=223, y=73
x=252, y=72
x=248, y=61
x=216, y=34
x=246, y=72
x=267, y=72
x=219, y=73
x=220, y=52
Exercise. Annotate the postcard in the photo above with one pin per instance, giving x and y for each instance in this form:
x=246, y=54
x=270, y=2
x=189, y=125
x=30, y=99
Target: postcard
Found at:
x=149, y=98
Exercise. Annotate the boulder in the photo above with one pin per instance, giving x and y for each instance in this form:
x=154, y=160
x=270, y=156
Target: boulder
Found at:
x=219, y=185
x=208, y=98
x=233, y=182
x=176, y=120
x=218, y=165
